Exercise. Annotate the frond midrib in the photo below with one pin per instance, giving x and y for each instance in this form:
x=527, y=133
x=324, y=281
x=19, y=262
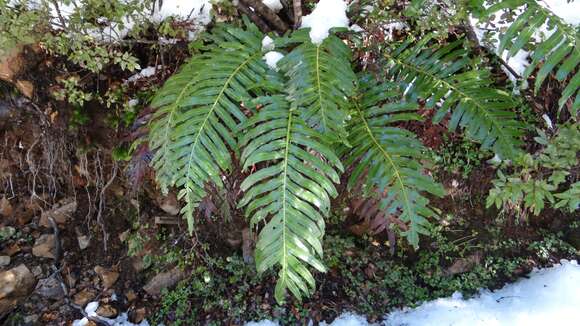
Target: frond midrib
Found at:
x=388, y=157
x=319, y=87
x=284, y=186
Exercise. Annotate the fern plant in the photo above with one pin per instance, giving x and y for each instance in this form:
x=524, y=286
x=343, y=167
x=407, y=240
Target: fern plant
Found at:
x=302, y=122
x=320, y=81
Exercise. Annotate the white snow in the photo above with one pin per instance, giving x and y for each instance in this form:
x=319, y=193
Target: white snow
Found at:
x=347, y=319
x=121, y=320
x=326, y=15
x=272, y=59
x=275, y=5
x=267, y=43
x=144, y=73
x=262, y=323
x=568, y=11
x=549, y=296
x=196, y=10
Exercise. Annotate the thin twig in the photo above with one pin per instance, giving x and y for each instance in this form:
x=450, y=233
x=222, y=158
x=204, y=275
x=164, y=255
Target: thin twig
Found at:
x=102, y=205
x=58, y=13
x=268, y=14
x=253, y=17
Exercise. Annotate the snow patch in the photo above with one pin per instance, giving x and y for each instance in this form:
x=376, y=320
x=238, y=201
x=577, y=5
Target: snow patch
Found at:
x=568, y=11
x=267, y=43
x=195, y=10
x=326, y=15
x=275, y=5
x=549, y=296
x=121, y=320
x=347, y=319
x=262, y=323
x=272, y=59
x=144, y=73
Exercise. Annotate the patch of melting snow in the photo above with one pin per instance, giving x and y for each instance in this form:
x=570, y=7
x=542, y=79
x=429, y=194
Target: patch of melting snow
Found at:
x=272, y=59
x=267, y=43
x=275, y=5
x=548, y=296
x=144, y=73
x=326, y=15
x=121, y=320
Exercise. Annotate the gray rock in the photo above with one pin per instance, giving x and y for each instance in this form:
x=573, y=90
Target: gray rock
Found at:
x=164, y=281
x=44, y=246
x=4, y=261
x=84, y=241
x=50, y=288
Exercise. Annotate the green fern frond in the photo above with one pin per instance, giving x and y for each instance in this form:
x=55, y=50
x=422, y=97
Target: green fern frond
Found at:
x=387, y=158
x=320, y=80
x=197, y=111
x=290, y=191
x=559, y=53
x=442, y=76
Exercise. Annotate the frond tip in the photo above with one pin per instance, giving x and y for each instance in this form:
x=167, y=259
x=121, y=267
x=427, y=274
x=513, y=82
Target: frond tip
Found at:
x=290, y=192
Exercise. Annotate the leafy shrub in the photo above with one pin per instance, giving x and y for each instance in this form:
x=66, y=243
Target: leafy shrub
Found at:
x=544, y=177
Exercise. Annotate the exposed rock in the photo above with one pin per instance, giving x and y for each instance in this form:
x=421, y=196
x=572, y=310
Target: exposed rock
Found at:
x=84, y=297
x=60, y=214
x=5, y=207
x=463, y=265
x=37, y=271
x=169, y=204
x=44, y=246
x=131, y=295
x=138, y=315
x=4, y=261
x=107, y=311
x=107, y=276
x=50, y=288
x=11, y=250
x=31, y=319
x=84, y=241
x=123, y=236
x=15, y=284
x=164, y=281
